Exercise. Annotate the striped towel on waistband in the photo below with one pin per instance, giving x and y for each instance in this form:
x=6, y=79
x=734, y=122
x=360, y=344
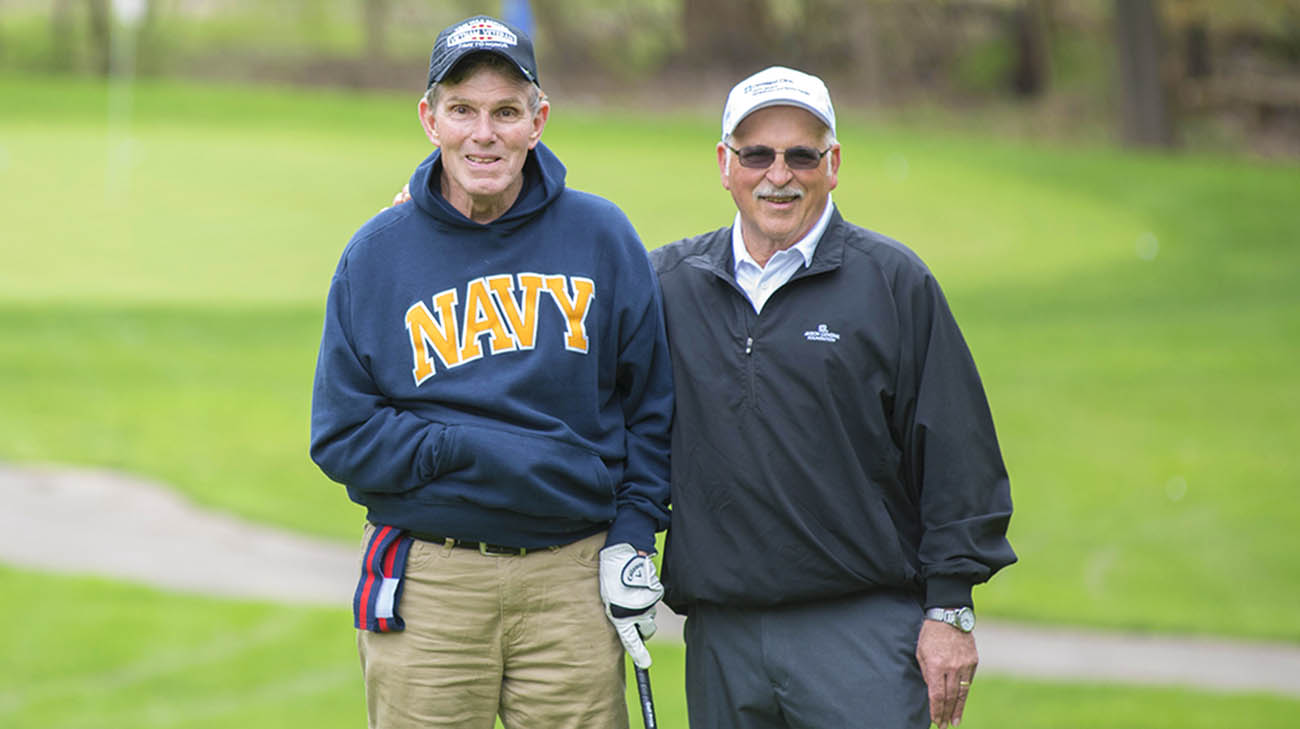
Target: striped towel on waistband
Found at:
x=374, y=606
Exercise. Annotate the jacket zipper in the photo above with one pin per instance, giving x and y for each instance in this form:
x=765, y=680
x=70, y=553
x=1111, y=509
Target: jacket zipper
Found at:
x=751, y=379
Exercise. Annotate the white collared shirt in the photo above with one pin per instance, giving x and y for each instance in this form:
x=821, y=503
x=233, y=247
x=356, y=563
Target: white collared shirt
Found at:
x=760, y=282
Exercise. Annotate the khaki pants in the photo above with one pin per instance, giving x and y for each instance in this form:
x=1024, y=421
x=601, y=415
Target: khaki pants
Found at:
x=524, y=637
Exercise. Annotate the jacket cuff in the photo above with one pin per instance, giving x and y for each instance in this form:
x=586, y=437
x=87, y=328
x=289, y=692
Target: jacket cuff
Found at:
x=633, y=527
x=947, y=592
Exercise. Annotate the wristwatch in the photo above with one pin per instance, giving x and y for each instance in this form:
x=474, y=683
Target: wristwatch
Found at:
x=962, y=618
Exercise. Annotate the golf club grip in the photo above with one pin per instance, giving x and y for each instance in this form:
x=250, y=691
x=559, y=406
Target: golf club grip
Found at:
x=647, y=699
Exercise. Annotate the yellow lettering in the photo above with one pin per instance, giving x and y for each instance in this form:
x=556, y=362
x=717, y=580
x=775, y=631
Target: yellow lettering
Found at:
x=482, y=317
x=574, y=309
x=492, y=309
x=522, y=325
x=439, y=333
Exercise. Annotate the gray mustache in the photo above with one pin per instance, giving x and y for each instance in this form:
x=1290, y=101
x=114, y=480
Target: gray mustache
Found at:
x=770, y=191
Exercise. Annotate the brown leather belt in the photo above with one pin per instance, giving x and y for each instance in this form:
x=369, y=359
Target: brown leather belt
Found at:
x=492, y=550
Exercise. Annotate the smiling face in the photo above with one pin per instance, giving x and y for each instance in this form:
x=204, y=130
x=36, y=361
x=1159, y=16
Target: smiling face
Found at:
x=778, y=205
x=485, y=128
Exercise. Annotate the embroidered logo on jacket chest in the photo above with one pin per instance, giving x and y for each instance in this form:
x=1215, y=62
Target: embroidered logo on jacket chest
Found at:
x=452, y=332
x=821, y=334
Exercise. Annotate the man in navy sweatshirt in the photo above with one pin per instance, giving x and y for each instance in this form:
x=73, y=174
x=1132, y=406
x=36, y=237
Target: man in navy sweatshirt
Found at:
x=494, y=387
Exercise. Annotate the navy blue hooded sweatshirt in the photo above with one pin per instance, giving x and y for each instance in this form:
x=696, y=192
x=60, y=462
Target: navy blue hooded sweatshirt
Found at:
x=506, y=382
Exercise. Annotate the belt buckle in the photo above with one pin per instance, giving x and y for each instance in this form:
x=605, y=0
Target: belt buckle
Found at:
x=496, y=550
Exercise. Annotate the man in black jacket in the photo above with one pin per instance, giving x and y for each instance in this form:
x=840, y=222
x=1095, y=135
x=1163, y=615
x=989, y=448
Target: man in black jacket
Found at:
x=837, y=483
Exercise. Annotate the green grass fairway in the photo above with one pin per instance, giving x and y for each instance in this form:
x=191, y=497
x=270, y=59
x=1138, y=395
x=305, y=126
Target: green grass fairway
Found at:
x=99, y=654
x=109, y=656
x=1136, y=319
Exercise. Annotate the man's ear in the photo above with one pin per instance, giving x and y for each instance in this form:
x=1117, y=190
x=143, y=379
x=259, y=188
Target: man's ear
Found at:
x=834, y=166
x=427, y=121
x=724, y=165
x=539, y=123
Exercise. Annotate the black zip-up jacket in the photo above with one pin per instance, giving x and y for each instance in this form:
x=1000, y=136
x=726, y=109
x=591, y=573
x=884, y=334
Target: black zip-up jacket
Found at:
x=838, y=442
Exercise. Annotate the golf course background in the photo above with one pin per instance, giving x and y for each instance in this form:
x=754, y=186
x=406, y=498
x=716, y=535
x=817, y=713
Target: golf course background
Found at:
x=167, y=248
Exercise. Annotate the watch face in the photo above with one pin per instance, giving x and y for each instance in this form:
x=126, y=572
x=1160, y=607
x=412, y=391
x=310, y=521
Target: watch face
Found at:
x=966, y=619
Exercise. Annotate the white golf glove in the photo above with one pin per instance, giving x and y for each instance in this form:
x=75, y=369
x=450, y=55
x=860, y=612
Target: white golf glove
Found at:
x=630, y=588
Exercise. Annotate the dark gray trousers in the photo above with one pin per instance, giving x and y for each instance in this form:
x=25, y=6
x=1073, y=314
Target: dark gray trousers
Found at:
x=833, y=664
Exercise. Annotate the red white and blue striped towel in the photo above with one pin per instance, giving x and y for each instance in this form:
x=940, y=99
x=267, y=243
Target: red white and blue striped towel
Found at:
x=374, y=606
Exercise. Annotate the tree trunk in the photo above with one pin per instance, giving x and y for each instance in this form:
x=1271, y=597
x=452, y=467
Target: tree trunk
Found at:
x=1196, y=48
x=864, y=53
x=62, y=34
x=1032, y=69
x=101, y=30
x=1146, y=118
x=375, y=14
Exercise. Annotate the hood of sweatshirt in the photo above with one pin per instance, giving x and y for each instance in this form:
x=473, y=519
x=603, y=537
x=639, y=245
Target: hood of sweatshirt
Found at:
x=543, y=182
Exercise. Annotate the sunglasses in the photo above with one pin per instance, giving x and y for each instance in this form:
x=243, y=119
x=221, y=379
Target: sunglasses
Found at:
x=760, y=157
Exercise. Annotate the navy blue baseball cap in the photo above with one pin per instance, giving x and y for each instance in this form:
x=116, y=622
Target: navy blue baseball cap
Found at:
x=481, y=33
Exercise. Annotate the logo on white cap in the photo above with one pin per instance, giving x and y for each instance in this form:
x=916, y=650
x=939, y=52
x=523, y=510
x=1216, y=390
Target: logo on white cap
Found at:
x=784, y=84
x=482, y=33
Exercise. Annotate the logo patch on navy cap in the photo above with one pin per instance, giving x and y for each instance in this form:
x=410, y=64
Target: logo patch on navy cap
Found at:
x=482, y=33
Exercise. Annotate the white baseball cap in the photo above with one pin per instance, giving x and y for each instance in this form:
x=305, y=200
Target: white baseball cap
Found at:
x=777, y=86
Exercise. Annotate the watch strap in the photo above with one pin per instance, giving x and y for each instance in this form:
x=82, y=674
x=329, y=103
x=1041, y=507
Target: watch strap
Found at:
x=951, y=616
x=942, y=615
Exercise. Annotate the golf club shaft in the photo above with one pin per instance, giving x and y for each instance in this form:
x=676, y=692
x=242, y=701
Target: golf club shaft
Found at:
x=647, y=699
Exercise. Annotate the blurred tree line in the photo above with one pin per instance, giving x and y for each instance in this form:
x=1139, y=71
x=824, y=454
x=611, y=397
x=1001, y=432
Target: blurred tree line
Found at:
x=1151, y=64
